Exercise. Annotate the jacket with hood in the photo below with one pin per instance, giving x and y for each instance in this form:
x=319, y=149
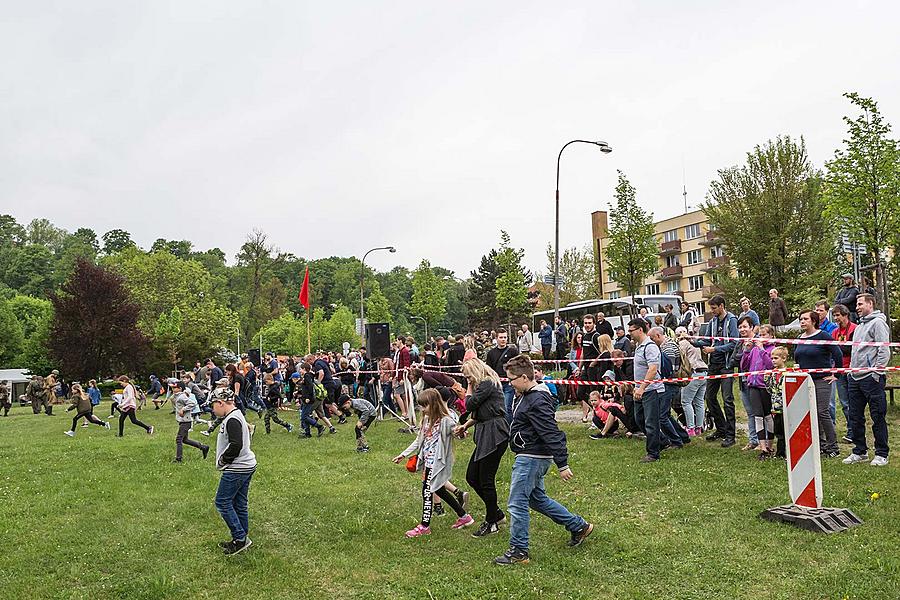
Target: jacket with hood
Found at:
x=534, y=431
x=871, y=328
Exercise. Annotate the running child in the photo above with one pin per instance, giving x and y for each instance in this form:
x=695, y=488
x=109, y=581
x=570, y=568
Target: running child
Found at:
x=271, y=399
x=82, y=402
x=184, y=403
x=434, y=449
x=366, y=413
x=128, y=405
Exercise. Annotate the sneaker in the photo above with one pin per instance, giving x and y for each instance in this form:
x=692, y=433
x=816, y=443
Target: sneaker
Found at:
x=150, y=431
x=847, y=439
x=109, y=417
x=205, y=451
x=205, y=432
x=69, y=433
x=831, y=454
x=715, y=435
x=234, y=546
x=176, y=460
x=332, y=429
x=579, y=536
x=84, y=425
x=486, y=529
x=855, y=458
x=305, y=435
x=290, y=428
x=439, y=509
x=649, y=459
x=342, y=420
x=463, y=499
x=879, y=461
x=512, y=556
x=418, y=530
x=364, y=449
x=106, y=425
x=320, y=429
x=597, y=436
x=750, y=446
x=727, y=443
x=463, y=521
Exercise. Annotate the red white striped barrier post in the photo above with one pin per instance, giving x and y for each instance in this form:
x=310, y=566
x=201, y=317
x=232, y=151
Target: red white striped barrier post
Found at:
x=801, y=429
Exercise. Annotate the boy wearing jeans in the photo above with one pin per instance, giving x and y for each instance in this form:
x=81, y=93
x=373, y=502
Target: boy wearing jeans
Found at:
x=536, y=440
x=237, y=463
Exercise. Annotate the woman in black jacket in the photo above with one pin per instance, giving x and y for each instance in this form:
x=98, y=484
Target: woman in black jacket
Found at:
x=484, y=407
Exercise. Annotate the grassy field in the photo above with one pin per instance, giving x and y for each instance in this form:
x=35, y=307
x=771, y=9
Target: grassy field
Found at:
x=101, y=517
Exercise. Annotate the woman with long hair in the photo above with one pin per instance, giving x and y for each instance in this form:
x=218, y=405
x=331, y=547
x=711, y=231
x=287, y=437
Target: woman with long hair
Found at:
x=82, y=402
x=434, y=449
x=484, y=407
x=469, y=345
x=127, y=406
x=820, y=356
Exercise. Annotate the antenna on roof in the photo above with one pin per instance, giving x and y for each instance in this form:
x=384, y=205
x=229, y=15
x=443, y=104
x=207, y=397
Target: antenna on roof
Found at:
x=684, y=187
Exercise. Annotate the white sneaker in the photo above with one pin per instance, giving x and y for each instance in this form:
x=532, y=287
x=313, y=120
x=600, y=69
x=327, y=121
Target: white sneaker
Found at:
x=106, y=425
x=72, y=434
x=879, y=461
x=84, y=426
x=855, y=458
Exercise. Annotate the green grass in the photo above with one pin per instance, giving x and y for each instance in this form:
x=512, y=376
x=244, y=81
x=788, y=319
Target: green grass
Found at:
x=102, y=517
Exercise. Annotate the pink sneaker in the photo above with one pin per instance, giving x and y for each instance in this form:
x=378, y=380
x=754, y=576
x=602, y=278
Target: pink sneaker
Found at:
x=692, y=432
x=418, y=530
x=463, y=521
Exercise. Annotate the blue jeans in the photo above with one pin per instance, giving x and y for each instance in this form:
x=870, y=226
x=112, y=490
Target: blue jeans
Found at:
x=526, y=489
x=306, y=418
x=231, y=502
x=868, y=390
x=667, y=423
x=751, y=428
x=508, y=394
x=843, y=392
x=387, y=396
x=646, y=416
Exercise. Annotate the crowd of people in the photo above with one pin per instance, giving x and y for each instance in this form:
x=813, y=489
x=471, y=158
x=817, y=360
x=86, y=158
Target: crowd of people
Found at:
x=646, y=382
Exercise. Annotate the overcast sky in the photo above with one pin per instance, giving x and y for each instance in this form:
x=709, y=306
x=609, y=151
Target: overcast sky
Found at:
x=339, y=126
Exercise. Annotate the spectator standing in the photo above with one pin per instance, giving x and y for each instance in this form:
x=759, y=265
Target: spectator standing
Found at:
x=602, y=326
x=496, y=360
x=844, y=333
x=524, y=341
x=778, y=314
x=670, y=321
x=847, y=295
x=814, y=356
x=692, y=395
x=546, y=337
x=746, y=311
x=562, y=339
x=648, y=394
x=868, y=387
x=824, y=323
x=723, y=324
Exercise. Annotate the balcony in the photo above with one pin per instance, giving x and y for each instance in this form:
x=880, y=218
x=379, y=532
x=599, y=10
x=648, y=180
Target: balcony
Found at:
x=673, y=272
x=717, y=262
x=712, y=238
x=667, y=248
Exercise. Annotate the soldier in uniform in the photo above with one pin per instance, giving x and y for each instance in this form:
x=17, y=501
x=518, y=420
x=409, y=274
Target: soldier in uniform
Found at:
x=5, y=403
x=36, y=392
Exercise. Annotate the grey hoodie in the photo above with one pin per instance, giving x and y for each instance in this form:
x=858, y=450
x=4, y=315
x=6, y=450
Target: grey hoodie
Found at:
x=871, y=328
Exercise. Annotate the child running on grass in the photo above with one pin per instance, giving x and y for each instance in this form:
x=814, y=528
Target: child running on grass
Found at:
x=184, y=403
x=82, y=402
x=535, y=439
x=434, y=447
x=271, y=398
x=366, y=413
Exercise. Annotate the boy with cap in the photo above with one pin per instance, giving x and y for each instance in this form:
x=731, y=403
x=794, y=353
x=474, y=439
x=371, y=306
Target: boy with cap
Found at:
x=366, y=413
x=237, y=463
x=184, y=403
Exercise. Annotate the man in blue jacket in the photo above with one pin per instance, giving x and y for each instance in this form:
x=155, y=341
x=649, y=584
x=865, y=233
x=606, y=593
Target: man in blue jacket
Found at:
x=718, y=351
x=546, y=336
x=536, y=440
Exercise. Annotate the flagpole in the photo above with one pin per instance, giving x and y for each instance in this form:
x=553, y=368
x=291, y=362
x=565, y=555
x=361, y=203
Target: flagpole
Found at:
x=308, y=346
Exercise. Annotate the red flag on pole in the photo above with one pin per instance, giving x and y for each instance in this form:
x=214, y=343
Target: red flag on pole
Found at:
x=303, y=297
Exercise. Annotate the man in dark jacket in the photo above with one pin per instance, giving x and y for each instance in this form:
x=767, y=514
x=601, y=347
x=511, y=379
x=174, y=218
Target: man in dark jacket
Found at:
x=546, y=337
x=562, y=339
x=535, y=439
x=777, y=309
x=455, y=354
x=847, y=295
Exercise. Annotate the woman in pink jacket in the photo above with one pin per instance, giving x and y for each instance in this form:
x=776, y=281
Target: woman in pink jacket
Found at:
x=128, y=405
x=759, y=358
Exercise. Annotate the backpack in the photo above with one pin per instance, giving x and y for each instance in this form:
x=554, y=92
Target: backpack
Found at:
x=319, y=390
x=684, y=369
x=666, y=368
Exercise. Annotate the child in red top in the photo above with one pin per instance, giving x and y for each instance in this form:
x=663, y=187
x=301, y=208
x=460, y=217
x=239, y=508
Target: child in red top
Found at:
x=608, y=414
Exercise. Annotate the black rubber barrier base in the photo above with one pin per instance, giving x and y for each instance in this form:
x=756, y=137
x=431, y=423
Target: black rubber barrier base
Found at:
x=820, y=520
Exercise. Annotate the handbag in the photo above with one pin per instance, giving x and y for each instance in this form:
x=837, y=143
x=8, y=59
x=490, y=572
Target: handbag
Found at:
x=412, y=463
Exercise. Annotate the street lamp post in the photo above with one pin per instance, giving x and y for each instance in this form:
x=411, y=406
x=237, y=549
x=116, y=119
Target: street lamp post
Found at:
x=606, y=149
x=362, y=277
x=426, y=325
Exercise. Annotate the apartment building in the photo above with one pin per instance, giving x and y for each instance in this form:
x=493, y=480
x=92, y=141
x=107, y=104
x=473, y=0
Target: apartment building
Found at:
x=688, y=250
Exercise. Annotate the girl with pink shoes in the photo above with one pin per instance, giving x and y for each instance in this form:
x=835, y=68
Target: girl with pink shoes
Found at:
x=433, y=448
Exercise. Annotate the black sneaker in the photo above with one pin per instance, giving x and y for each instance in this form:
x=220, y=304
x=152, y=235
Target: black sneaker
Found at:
x=332, y=430
x=831, y=454
x=579, y=536
x=597, y=436
x=486, y=529
x=439, y=509
x=715, y=435
x=235, y=546
x=463, y=499
x=342, y=420
x=320, y=429
x=224, y=544
x=305, y=435
x=512, y=556
x=727, y=443
x=649, y=459
x=205, y=451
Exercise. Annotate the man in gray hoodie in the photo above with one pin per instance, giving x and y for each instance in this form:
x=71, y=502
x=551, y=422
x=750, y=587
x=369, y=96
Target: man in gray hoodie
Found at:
x=867, y=387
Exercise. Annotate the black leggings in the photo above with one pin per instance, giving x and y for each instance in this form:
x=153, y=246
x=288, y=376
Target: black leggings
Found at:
x=448, y=498
x=761, y=420
x=129, y=412
x=88, y=416
x=113, y=407
x=481, y=474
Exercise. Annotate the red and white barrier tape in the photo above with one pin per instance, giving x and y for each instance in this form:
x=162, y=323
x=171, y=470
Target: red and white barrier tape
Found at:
x=802, y=341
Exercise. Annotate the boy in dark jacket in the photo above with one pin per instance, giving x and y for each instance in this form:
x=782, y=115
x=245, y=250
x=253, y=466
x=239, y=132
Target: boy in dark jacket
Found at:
x=535, y=439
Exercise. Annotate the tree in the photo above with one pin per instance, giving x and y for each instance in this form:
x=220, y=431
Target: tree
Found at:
x=768, y=213
x=95, y=325
x=116, y=240
x=862, y=188
x=511, y=295
x=30, y=312
x=341, y=327
x=256, y=284
x=377, y=308
x=42, y=232
x=428, y=299
x=10, y=231
x=11, y=336
x=578, y=270
x=482, y=301
x=633, y=253
x=179, y=248
x=166, y=334
x=28, y=269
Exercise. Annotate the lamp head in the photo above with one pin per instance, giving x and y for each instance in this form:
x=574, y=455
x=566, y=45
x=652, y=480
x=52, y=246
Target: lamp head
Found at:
x=392, y=249
x=604, y=147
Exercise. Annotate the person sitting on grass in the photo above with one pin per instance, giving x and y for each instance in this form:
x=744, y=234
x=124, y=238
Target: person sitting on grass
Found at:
x=536, y=440
x=82, y=402
x=434, y=448
x=366, y=414
x=608, y=414
x=236, y=461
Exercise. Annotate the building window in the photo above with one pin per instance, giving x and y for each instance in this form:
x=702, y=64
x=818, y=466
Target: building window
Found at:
x=697, y=308
x=673, y=286
x=716, y=252
x=670, y=236
x=695, y=283
x=672, y=261
x=615, y=295
x=692, y=231
x=653, y=289
x=695, y=257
